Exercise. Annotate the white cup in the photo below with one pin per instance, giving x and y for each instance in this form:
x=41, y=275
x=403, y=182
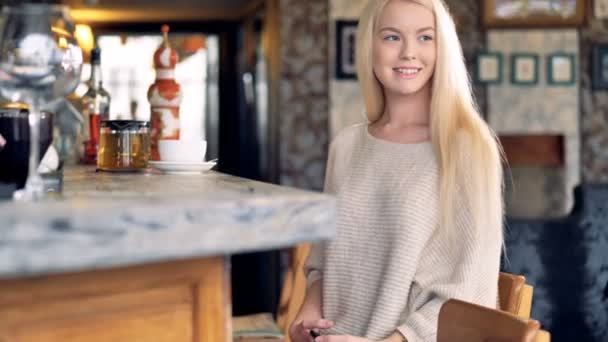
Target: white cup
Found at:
x=185, y=151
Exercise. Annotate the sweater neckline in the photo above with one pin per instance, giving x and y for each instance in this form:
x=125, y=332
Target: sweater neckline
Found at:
x=388, y=143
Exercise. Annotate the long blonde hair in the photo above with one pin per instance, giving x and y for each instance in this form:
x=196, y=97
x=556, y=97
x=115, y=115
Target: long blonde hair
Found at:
x=468, y=152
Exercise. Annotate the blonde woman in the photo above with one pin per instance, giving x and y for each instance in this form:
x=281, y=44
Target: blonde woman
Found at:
x=418, y=188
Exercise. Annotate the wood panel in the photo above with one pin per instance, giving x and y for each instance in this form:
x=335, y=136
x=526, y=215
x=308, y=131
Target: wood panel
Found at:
x=214, y=307
x=272, y=53
x=83, y=306
x=171, y=301
x=169, y=324
x=161, y=12
x=533, y=150
x=106, y=281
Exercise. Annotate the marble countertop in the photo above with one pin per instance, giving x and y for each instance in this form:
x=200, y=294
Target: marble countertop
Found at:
x=118, y=219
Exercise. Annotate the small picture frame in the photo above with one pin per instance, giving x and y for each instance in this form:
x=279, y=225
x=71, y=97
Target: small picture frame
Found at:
x=346, y=38
x=488, y=68
x=561, y=69
x=524, y=69
x=599, y=66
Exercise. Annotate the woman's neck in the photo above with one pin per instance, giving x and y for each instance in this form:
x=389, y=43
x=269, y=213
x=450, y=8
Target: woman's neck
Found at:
x=402, y=111
x=405, y=118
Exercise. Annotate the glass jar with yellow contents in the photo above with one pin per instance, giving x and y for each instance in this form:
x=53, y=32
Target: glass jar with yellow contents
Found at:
x=124, y=145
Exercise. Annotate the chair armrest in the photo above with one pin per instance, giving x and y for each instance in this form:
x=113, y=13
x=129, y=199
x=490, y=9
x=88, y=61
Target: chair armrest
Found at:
x=542, y=336
x=460, y=321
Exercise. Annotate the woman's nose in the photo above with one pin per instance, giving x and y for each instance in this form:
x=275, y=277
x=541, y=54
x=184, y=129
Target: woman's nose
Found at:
x=407, y=52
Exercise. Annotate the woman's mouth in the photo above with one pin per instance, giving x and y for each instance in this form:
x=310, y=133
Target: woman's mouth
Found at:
x=407, y=73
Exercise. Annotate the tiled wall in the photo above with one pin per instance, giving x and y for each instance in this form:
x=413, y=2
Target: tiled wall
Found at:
x=304, y=107
x=538, y=109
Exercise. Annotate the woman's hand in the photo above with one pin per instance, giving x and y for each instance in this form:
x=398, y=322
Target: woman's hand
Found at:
x=396, y=337
x=342, y=338
x=300, y=331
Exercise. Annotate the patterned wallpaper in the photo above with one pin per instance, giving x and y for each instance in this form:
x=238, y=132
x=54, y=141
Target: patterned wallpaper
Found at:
x=466, y=16
x=304, y=107
x=594, y=108
x=346, y=103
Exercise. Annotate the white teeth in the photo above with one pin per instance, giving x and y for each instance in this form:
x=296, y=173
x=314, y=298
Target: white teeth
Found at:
x=407, y=71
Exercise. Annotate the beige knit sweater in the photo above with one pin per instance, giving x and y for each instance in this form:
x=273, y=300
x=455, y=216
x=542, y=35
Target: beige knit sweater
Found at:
x=387, y=270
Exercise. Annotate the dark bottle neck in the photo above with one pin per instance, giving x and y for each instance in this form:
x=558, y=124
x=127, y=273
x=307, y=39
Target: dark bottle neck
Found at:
x=96, y=80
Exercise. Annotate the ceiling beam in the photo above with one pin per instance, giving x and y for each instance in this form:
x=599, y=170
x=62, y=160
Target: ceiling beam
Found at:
x=155, y=13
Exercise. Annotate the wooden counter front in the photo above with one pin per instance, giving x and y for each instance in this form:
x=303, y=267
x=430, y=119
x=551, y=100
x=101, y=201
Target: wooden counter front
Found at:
x=170, y=301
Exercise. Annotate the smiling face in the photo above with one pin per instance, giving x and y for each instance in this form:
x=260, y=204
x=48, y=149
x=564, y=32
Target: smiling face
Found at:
x=404, y=49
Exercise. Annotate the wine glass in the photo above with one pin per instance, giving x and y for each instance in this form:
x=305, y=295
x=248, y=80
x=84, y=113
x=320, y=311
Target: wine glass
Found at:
x=40, y=61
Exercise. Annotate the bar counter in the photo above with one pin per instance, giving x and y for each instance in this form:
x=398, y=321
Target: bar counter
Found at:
x=141, y=256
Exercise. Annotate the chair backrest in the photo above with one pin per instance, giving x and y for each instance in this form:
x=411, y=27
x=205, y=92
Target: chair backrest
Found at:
x=466, y=322
x=515, y=296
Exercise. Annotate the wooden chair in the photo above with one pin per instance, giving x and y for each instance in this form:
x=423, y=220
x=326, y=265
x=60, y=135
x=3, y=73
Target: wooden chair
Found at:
x=294, y=289
x=542, y=336
x=292, y=294
x=460, y=321
x=515, y=296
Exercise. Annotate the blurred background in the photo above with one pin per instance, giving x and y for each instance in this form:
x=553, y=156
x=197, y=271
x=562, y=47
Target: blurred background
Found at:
x=268, y=82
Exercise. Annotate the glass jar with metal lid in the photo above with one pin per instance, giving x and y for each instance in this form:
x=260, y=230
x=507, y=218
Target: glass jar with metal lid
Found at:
x=124, y=145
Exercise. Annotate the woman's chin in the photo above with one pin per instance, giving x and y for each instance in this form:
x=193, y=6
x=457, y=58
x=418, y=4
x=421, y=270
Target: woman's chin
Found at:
x=406, y=91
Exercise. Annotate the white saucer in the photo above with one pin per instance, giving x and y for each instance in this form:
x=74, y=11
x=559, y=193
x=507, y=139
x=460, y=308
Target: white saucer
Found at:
x=182, y=167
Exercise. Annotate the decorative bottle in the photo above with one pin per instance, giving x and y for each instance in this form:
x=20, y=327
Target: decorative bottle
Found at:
x=164, y=96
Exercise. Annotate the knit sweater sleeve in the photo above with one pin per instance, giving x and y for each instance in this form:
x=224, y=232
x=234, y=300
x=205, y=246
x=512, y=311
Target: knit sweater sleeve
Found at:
x=465, y=267
x=314, y=263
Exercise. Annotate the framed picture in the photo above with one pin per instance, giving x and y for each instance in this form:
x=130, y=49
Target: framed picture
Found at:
x=561, y=69
x=488, y=68
x=600, y=7
x=534, y=13
x=346, y=37
x=599, y=66
x=524, y=69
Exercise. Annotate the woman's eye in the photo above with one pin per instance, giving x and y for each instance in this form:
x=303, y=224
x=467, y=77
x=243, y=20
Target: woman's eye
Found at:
x=392, y=38
x=426, y=38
